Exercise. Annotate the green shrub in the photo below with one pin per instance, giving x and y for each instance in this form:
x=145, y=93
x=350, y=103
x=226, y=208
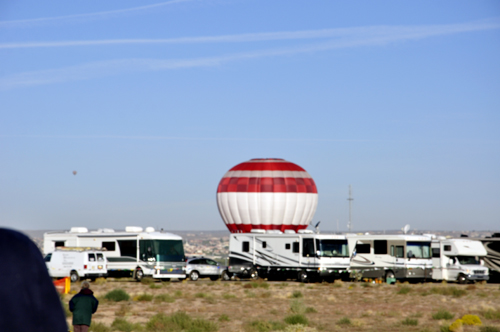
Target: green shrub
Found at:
x=154, y=286
x=297, y=307
x=224, y=318
x=200, y=295
x=444, y=328
x=164, y=298
x=121, y=324
x=122, y=311
x=147, y=281
x=491, y=314
x=296, y=319
x=344, y=321
x=99, y=327
x=263, y=326
x=100, y=281
x=144, y=297
x=297, y=294
x=178, y=293
x=310, y=310
x=442, y=314
x=471, y=320
x=453, y=291
x=179, y=321
x=117, y=295
x=489, y=329
x=228, y=296
x=404, y=289
x=410, y=321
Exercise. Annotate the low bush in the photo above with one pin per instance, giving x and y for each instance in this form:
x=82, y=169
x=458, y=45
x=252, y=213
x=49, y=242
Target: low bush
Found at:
x=471, y=320
x=442, y=314
x=121, y=324
x=154, y=286
x=296, y=319
x=456, y=326
x=310, y=310
x=144, y=297
x=224, y=318
x=179, y=321
x=297, y=294
x=164, y=298
x=264, y=326
x=453, y=291
x=297, y=307
x=491, y=314
x=489, y=329
x=410, y=321
x=122, y=311
x=344, y=321
x=100, y=281
x=117, y=295
x=404, y=289
x=228, y=296
x=99, y=327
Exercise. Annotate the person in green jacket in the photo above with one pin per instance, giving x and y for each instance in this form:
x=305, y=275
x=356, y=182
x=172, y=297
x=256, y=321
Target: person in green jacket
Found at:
x=83, y=305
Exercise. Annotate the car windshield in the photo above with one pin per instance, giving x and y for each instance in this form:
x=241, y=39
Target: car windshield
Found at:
x=418, y=250
x=332, y=248
x=468, y=260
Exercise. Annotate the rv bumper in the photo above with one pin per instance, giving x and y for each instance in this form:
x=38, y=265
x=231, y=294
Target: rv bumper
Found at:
x=478, y=277
x=330, y=272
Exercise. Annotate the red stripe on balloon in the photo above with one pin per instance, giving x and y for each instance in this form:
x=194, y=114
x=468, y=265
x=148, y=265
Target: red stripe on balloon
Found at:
x=267, y=166
x=245, y=228
x=267, y=185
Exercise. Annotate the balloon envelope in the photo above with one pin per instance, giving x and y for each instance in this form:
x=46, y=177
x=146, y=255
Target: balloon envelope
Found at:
x=74, y=172
x=267, y=194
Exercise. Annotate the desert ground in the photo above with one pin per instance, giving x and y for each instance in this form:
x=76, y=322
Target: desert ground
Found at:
x=275, y=306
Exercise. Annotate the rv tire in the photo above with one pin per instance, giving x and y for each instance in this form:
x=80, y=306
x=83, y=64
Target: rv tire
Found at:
x=254, y=275
x=462, y=279
x=139, y=274
x=389, y=274
x=226, y=276
x=74, y=277
x=302, y=276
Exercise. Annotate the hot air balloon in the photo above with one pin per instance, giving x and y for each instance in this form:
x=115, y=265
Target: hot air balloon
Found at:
x=267, y=194
x=74, y=172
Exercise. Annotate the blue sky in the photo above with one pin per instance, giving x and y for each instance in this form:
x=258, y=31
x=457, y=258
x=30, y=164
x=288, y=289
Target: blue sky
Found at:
x=152, y=102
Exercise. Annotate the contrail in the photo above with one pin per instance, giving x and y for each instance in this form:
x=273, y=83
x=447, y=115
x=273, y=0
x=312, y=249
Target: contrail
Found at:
x=374, y=31
x=84, y=17
x=374, y=36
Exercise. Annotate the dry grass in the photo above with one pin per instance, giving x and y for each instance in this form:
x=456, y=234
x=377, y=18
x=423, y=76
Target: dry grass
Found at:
x=234, y=306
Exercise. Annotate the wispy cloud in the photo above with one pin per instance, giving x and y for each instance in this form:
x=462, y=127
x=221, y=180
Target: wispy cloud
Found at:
x=393, y=32
x=346, y=38
x=84, y=17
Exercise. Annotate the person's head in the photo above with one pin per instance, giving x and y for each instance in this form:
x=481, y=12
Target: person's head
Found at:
x=85, y=284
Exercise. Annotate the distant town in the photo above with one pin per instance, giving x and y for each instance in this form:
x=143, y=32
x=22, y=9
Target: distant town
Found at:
x=215, y=244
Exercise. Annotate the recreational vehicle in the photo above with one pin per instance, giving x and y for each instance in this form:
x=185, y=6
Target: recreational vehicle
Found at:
x=458, y=260
x=131, y=253
x=492, y=259
x=279, y=256
x=391, y=256
x=76, y=263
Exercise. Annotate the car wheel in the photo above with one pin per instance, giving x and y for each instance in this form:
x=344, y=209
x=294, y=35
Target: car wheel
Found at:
x=139, y=274
x=389, y=274
x=226, y=276
x=73, y=276
x=194, y=275
x=462, y=279
x=302, y=276
x=254, y=275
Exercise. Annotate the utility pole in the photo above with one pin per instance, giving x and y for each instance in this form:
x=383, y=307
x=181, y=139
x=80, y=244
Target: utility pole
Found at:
x=350, y=199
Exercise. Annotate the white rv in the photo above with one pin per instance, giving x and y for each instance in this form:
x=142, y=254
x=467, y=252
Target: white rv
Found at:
x=131, y=253
x=458, y=260
x=391, y=256
x=76, y=263
x=279, y=256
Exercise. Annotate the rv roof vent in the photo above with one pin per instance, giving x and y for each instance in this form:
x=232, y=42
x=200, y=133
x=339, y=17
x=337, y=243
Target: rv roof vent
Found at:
x=289, y=231
x=108, y=230
x=150, y=229
x=78, y=230
x=260, y=231
x=133, y=229
x=305, y=231
x=274, y=231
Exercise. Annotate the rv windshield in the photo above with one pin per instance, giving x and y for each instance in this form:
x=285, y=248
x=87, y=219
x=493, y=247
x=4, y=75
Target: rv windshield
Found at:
x=161, y=250
x=332, y=248
x=418, y=250
x=468, y=260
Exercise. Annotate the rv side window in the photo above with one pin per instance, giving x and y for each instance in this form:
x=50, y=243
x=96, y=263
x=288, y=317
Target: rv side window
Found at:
x=110, y=246
x=59, y=244
x=436, y=252
x=287, y=246
x=380, y=247
x=128, y=248
x=246, y=246
x=264, y=244
x=447, y=248
x=91, y=258
x=296, y=247
x=308, y=248
x=362, y=248
x=400, y=251
x=48, y=257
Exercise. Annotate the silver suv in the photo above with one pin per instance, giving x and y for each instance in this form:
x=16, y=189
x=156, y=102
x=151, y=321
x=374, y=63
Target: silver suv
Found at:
x=201, y=267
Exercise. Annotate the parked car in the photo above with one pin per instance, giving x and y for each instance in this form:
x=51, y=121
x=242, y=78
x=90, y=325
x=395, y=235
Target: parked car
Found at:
x=201, y=267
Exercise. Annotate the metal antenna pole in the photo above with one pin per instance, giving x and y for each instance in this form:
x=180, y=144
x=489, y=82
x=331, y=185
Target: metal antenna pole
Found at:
x=350, y=199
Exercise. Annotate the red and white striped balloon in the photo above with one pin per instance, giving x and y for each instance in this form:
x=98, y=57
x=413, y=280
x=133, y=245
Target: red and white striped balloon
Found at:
x=267, y=194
